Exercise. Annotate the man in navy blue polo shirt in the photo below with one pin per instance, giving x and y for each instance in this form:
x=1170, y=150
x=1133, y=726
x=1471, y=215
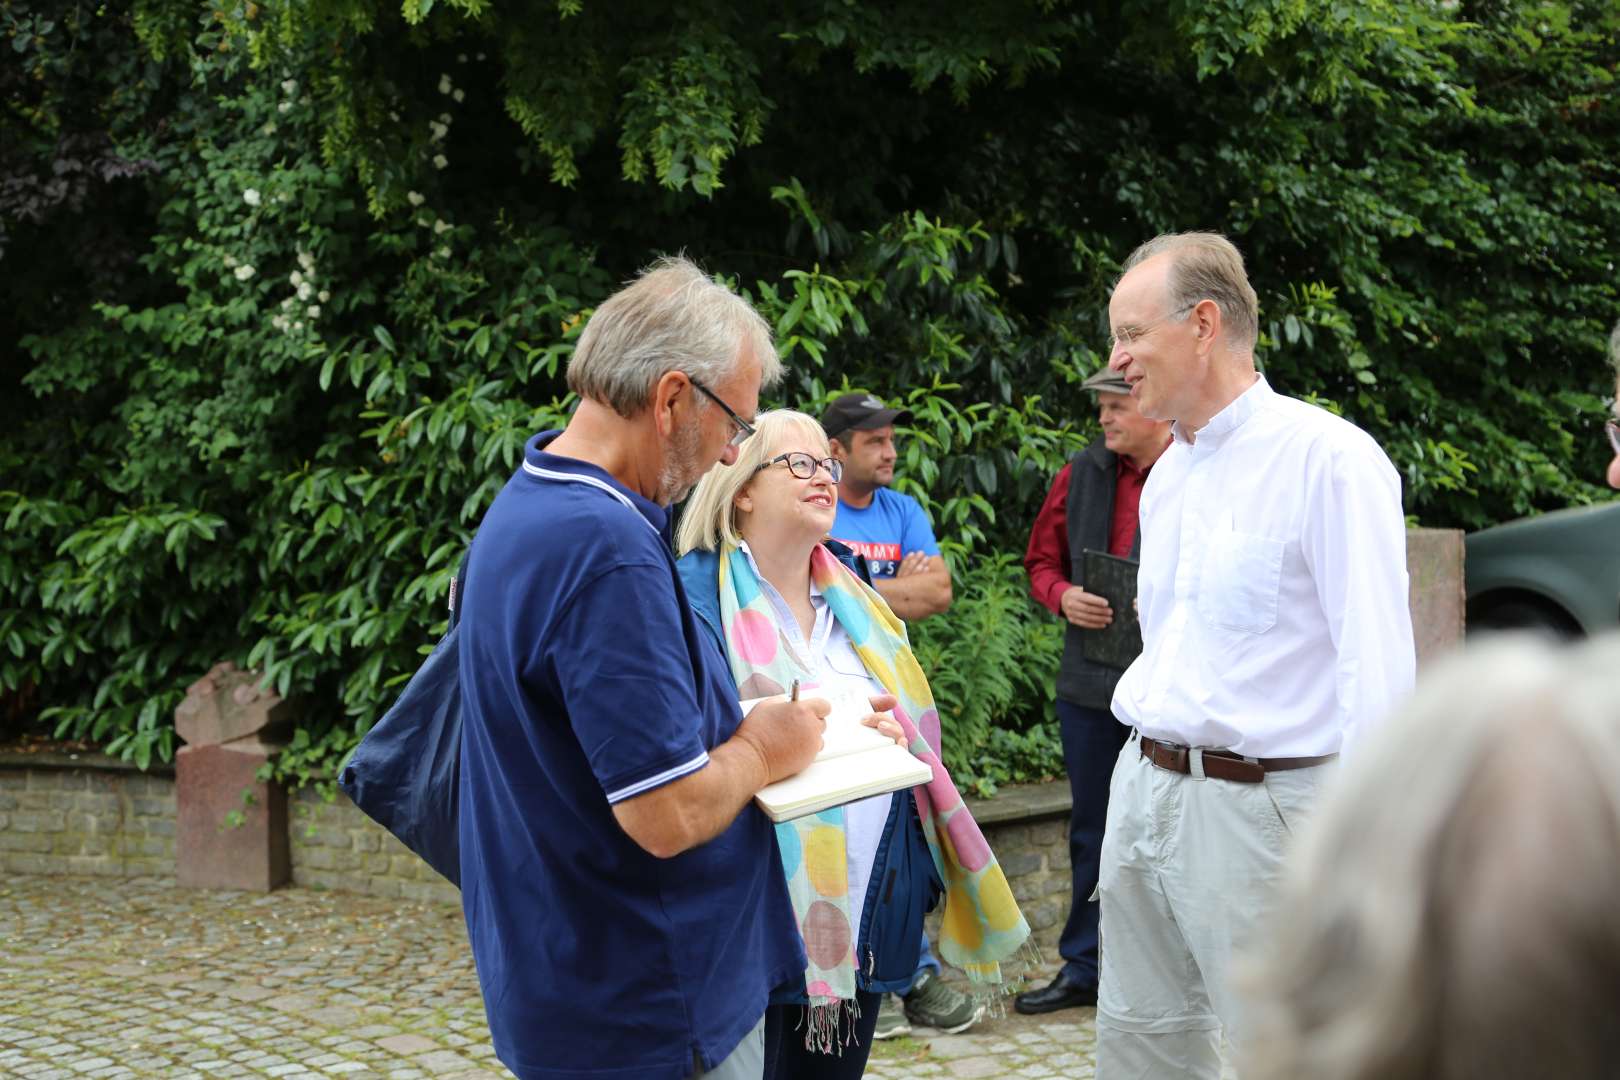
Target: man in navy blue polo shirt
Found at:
x=625, y=900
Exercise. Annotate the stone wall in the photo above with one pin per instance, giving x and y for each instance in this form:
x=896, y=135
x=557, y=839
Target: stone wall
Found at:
x=107, y=819
x=72, y=820
x=335, y=846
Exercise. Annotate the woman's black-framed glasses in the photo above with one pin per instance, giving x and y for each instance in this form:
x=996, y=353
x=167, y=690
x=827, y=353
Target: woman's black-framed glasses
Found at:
x=804, y=466
x=744, y=428
x=1613, y=429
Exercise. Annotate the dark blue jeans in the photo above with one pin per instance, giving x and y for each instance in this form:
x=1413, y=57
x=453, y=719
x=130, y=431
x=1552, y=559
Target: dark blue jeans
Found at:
x=1091, y=742
x=787, y=1059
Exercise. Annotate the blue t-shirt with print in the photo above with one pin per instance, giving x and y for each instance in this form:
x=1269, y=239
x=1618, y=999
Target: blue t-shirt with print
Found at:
x=586, y=682
x=888, y=529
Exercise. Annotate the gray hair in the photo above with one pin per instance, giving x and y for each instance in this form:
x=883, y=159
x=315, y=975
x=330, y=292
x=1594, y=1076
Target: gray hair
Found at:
x=673, y=317
x=1207, y=266
x=1452, y=911
x=709, y=518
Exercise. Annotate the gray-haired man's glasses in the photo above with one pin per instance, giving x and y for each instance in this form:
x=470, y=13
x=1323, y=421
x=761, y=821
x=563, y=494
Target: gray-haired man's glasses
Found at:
x=744, y=428
x=1613, y=428
x=1125, y=335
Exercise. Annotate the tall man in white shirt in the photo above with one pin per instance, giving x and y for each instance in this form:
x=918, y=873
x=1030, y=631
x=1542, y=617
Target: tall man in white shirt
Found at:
x=1275, y=627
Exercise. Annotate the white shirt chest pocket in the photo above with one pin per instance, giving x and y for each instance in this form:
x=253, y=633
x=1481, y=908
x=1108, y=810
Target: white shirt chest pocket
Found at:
x=1240, y=583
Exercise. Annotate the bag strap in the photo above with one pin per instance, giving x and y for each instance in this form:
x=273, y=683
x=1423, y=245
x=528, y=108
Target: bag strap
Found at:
x=455, y=589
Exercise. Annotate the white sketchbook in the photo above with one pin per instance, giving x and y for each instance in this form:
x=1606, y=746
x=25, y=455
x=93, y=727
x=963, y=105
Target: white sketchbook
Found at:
x=855, y=762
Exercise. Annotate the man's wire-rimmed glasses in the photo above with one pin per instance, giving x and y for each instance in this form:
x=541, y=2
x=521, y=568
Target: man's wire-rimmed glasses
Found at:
x=744, y=428
x=1126, y=335
x=804, y=465
x=1612, y=427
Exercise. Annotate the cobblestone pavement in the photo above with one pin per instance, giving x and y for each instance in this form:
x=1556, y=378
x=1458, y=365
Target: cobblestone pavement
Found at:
x=114, y=978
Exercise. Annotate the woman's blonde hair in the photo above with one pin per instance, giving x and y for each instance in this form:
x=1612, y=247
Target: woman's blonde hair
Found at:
x=709, y=517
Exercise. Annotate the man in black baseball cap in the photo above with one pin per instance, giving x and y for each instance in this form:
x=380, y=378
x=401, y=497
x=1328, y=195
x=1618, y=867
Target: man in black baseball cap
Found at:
x=889, y=528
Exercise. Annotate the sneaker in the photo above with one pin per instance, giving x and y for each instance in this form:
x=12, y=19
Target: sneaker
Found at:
x=891, y=1019
x=933, y=1004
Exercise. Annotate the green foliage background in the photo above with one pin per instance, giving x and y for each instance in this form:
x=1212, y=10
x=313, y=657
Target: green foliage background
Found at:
x=288, y=284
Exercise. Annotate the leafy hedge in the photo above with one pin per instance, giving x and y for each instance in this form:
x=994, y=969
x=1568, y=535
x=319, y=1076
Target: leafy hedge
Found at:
x=290, y=284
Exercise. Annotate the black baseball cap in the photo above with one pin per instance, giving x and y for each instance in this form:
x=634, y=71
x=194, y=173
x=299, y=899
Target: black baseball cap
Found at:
x=860, y=412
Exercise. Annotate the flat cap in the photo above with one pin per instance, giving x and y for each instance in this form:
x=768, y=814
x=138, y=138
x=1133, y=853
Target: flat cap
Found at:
x=1107, y=380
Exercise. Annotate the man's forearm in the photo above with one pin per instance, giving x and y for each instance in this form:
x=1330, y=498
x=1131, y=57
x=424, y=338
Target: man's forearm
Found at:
x=916, y=596
x=698, y=807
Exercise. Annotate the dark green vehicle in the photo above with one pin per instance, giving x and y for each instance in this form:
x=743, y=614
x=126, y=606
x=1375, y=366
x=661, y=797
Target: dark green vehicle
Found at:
x=1559, y=572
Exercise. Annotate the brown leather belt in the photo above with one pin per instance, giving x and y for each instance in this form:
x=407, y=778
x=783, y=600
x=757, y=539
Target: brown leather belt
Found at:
x=1223, y=764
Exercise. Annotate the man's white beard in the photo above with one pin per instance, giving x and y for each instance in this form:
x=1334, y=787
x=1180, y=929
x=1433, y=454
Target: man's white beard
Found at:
x=681, y=470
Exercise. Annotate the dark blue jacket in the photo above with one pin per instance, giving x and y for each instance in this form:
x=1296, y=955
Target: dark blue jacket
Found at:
x=904, y=886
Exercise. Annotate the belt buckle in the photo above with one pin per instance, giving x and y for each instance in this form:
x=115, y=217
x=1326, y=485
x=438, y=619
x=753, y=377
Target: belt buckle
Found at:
x=1168, y=756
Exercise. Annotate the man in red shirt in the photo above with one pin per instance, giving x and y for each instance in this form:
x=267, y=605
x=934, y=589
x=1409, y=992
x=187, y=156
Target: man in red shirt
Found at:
x=1092, y=506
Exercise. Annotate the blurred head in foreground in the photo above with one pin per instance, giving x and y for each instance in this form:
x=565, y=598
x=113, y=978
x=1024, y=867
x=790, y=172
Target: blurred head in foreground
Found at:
x=1454, y=911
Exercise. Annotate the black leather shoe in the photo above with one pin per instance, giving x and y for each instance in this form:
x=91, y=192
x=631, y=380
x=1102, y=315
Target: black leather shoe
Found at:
x=1062, y=992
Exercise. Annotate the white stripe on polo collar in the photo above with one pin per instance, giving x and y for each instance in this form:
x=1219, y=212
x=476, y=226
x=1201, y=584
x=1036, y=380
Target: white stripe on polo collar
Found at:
x=662, y=778
x=575, y=478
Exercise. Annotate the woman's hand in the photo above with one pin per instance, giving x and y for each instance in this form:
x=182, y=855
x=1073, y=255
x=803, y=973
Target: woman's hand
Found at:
x=881, y=719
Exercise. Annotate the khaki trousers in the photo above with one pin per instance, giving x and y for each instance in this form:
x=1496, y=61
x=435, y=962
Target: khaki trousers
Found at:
x=746, y=1062
x=1188, y=868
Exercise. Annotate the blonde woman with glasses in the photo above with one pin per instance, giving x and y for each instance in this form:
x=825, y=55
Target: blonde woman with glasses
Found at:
x=784, y=605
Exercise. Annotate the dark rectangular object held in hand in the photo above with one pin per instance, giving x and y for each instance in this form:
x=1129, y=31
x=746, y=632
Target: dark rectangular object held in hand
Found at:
x=1113, y=579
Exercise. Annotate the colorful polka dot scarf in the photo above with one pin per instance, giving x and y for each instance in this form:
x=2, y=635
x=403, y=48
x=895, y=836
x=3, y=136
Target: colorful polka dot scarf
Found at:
x=982, y=925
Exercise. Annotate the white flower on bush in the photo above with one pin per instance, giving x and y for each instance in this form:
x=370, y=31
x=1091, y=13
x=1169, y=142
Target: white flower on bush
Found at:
x=282, y=107
x=243, y=272
x=438, y=130
x=305, y=291
x=415, y=198
x=269, y=128
x=445, y=118
x=313, y=311
x=460, y=94
x=440, y=161
x=289, y=87
x=307, y=261
x=297, y=326
x=323, y=296
x=295, y=279
x=280, y=323
x=288, y=303
x=251, y=196
x=443, y=253
x=444, y=84
x=230, y=261
x=440, y=227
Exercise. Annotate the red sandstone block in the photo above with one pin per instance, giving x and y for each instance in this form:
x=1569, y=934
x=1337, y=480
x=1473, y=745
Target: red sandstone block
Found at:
x=210, y=852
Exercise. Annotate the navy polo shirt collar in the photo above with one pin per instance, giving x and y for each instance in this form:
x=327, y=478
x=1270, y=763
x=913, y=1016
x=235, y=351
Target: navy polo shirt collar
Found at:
x=540, y=465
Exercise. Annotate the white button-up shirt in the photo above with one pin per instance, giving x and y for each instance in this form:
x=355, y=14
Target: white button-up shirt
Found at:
x=1273, y=588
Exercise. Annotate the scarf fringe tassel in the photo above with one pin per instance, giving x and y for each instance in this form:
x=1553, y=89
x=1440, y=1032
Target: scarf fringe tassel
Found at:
x=830, y=1026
